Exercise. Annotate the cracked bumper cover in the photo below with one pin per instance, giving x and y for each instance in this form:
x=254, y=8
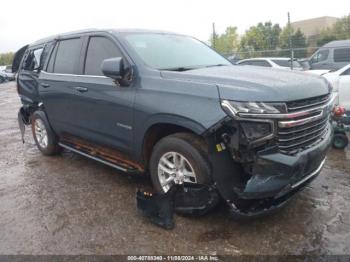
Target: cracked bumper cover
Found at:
x=274, y=180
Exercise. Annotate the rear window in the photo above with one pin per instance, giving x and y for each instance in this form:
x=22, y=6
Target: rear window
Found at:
x=67, y=55
x=342, y=55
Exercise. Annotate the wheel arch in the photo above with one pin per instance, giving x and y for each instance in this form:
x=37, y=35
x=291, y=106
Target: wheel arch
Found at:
x=162, y=126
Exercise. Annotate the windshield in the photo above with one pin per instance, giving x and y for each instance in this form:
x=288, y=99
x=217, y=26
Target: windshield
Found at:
x=286, y=63
x=173, y=52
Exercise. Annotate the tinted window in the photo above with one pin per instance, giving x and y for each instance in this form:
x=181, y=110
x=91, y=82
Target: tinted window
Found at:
x=99, y=49
x=286, y=63
x=342, y=55
x=52, y=60
x=260, y=63
x=67, y=55
x=45, y=54
x=245, y=63
x=347, y=73
x=32, y=60
x=320, y=56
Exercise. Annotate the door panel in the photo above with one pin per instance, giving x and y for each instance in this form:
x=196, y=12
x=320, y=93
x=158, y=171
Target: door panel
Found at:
x=56, y=87
x=103, y=111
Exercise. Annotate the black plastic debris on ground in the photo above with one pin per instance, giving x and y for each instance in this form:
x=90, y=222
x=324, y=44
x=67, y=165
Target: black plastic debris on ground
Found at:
x=159, y=208
x=194, y=200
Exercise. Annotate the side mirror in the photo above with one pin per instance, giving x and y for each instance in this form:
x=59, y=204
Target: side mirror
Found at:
x=113, y=67
x=305, y=63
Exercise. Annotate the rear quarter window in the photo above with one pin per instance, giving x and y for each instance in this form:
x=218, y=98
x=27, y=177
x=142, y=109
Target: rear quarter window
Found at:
x=32, y=60
x=342, y=55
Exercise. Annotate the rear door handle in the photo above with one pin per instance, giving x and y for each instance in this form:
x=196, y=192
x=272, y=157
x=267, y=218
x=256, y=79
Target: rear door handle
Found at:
x=81, y=89
x=45, y=85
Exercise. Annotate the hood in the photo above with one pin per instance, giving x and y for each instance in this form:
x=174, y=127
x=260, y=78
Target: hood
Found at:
x=253, y=83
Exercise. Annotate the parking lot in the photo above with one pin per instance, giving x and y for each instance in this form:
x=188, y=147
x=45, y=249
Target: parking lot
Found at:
x=72, y=205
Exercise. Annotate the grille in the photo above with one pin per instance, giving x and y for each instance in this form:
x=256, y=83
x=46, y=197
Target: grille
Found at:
x=307, y=130
x=307, y=103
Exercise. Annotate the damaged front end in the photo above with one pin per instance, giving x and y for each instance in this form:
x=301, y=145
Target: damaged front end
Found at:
x=259, y=159
x=262, y=154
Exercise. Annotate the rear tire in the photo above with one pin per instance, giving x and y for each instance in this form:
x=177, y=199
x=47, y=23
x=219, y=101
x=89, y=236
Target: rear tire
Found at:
x=45, y=139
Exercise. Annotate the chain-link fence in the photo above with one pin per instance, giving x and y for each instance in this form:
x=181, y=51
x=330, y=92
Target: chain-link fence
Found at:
x=298, y=53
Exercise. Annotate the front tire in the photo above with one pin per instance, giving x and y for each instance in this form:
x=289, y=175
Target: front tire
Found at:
x=177, y=159
x=44, y=137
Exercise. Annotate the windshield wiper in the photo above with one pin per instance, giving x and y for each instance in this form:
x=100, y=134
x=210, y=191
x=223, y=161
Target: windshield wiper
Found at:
x=179, y=69
x=186, y=68
x=216, y=65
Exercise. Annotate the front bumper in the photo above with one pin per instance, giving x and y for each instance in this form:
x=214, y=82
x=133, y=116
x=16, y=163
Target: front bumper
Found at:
x=274, y=177
x=274, y=174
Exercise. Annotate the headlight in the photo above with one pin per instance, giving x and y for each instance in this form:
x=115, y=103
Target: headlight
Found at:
x=233, y=108
x=256, y=130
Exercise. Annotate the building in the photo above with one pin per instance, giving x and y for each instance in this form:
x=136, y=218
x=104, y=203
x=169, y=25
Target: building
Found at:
x=313, y=27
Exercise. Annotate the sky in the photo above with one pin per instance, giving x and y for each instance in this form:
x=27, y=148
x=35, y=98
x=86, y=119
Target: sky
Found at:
x=23, y=22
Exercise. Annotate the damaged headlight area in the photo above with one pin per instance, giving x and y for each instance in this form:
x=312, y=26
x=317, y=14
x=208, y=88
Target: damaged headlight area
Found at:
x=236, y=108
x=253, y=121
x=254, y=131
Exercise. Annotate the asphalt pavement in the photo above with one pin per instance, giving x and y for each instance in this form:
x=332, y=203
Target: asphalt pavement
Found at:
x=69, y=204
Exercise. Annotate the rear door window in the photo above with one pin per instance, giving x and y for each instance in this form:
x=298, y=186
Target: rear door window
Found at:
x=260, y=63
x=342, y=55
x=67, y=56
x=286, y=63
x=245, y=63
x=52, y=59
x=99, y=49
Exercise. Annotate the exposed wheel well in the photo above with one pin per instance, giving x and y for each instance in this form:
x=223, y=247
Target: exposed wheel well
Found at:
x=157, y=132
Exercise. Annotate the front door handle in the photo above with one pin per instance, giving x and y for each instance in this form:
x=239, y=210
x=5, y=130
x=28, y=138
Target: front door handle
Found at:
x=81, y=89
x=45, y=85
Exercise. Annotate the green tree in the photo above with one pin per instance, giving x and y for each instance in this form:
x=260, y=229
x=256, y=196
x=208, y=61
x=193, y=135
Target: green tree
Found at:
x=341, y=28
x=6, y=58
x=263, y=36
x=339, y=31
x=226, y=43
x=298, y=41
x=327, y=35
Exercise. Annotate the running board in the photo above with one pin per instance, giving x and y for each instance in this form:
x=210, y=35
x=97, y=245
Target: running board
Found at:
x=106, y=162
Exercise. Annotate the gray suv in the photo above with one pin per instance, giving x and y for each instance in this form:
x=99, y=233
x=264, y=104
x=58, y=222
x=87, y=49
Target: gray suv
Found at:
x=168, y=105
x=332, y=56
